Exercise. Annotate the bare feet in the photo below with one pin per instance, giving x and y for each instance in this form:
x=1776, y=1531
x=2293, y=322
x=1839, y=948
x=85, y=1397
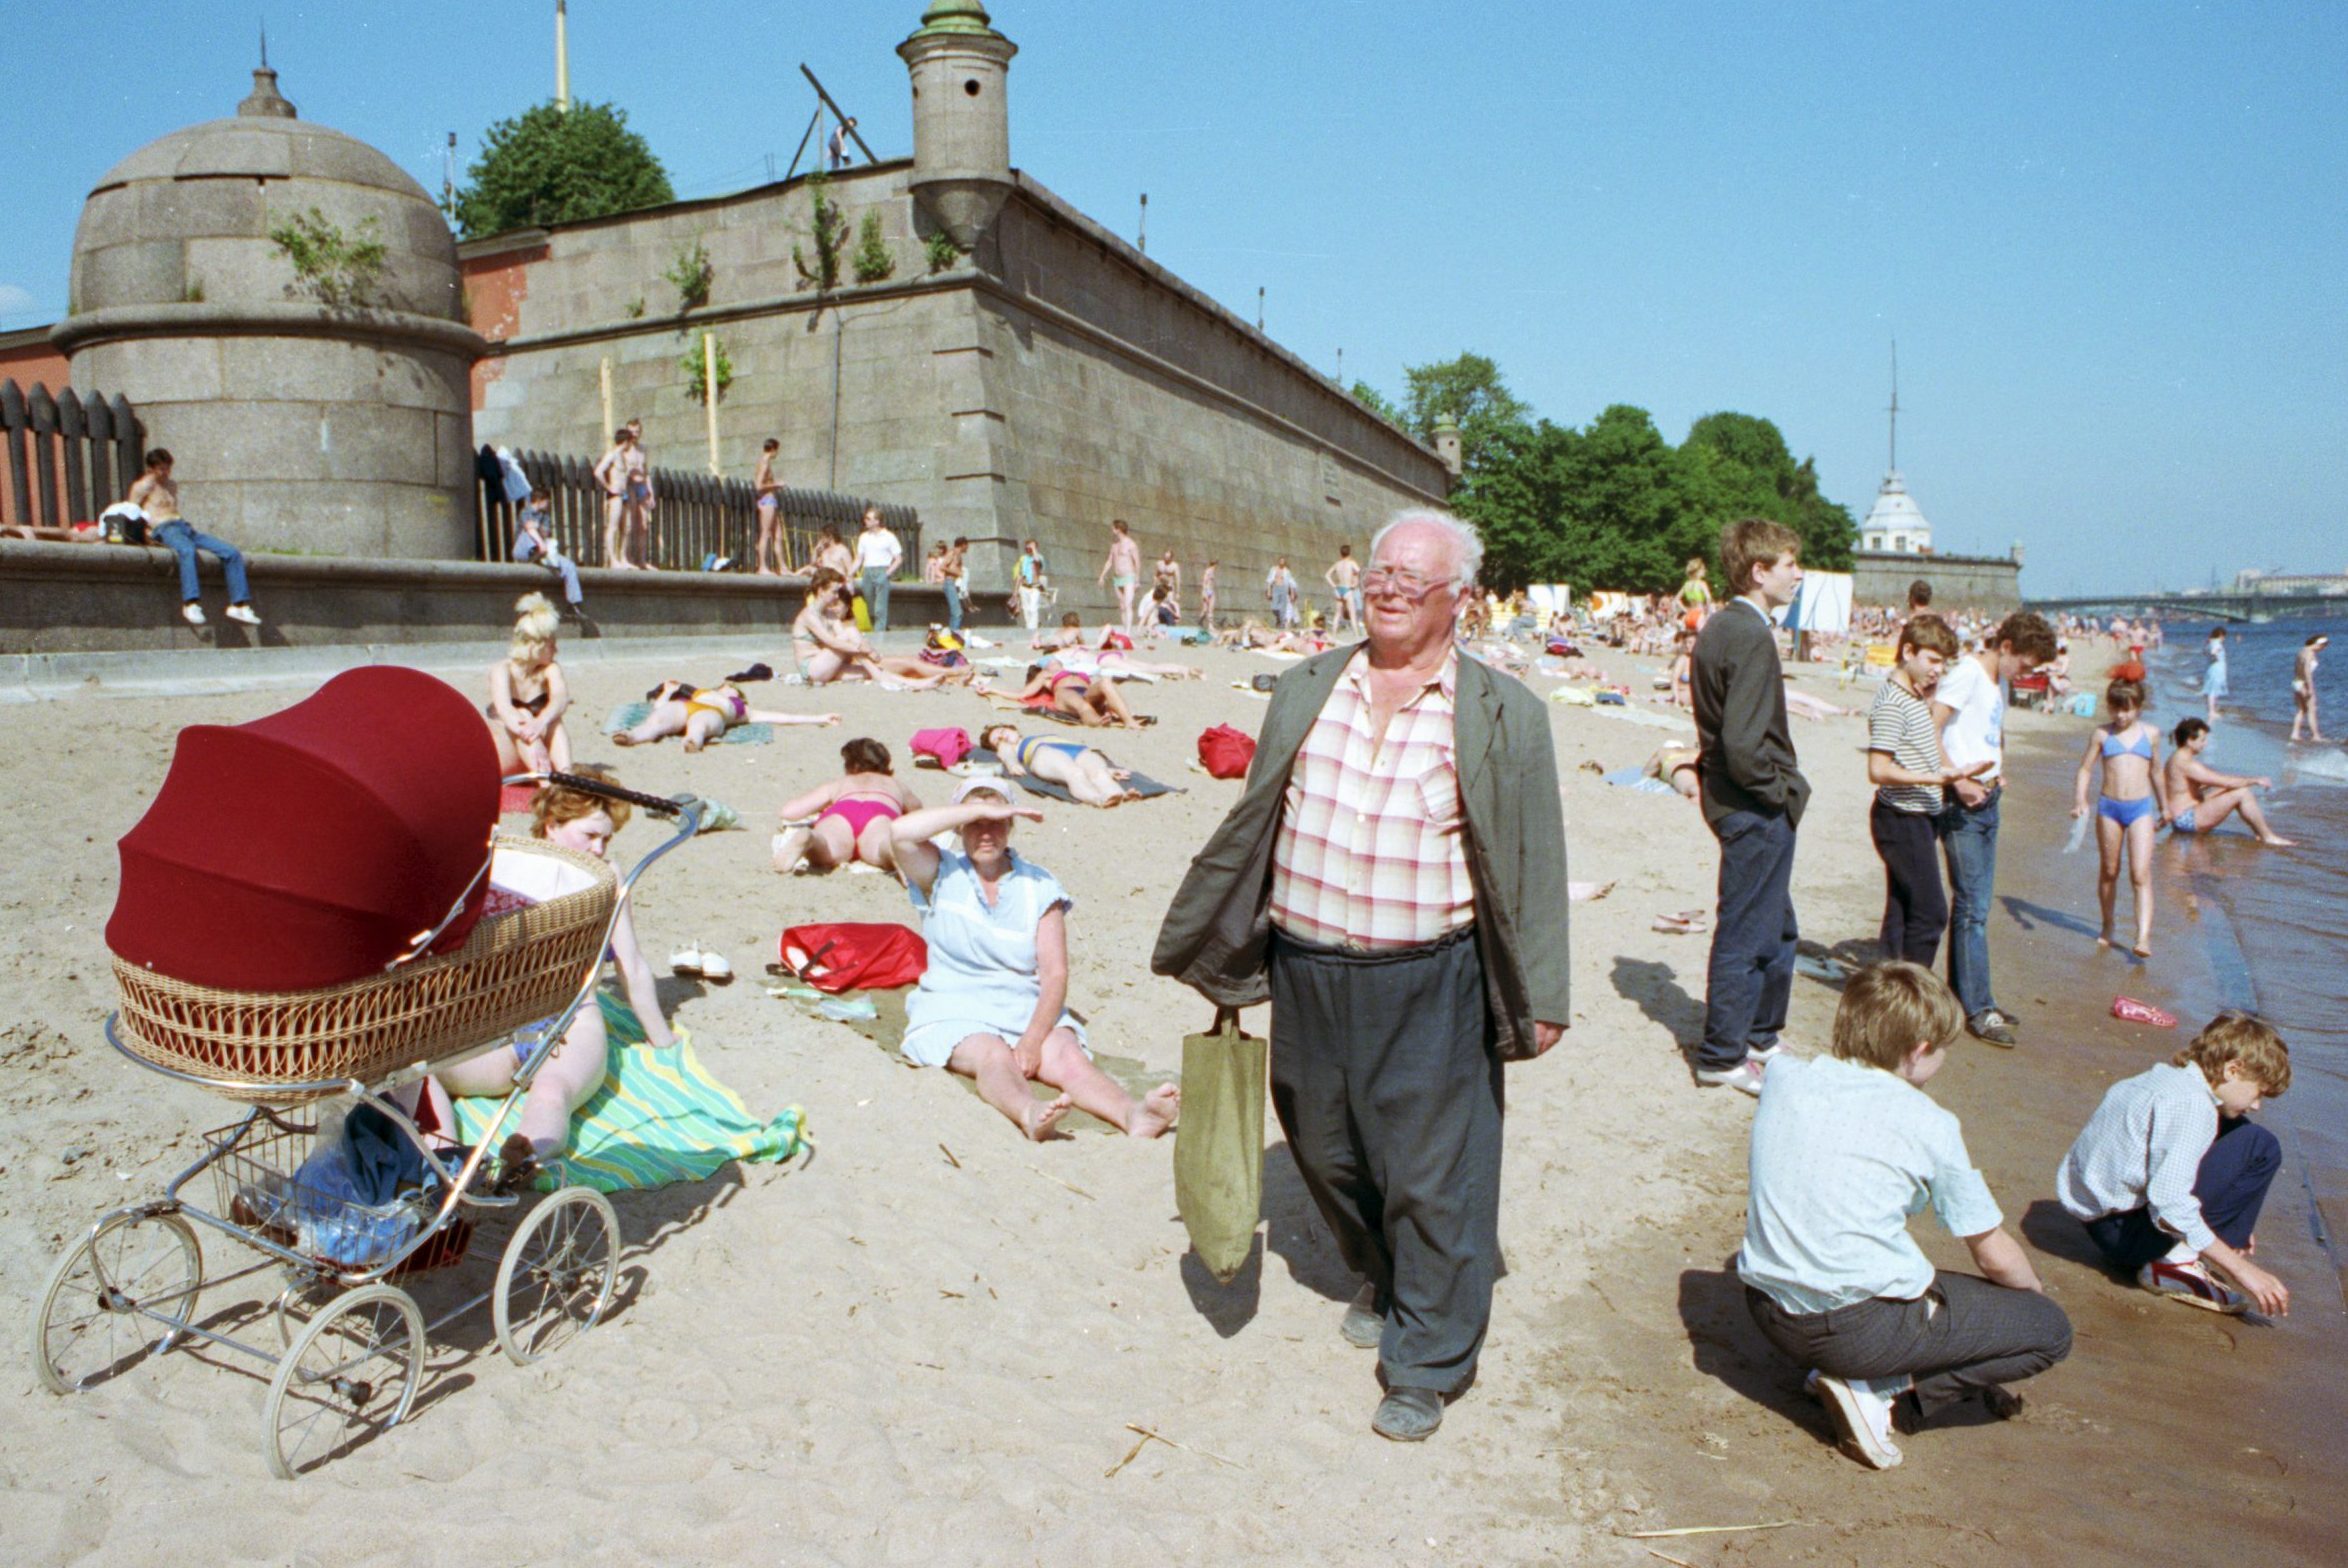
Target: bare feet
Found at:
x=2142, y=949
x=2272, y=842
x=2104, y=940
x=1038, y=1120
x=622, y=738
x=1154, y=1112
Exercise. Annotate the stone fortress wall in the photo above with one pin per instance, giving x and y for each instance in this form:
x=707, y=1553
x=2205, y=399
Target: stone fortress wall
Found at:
x=1048, y=380
x=1989, y=583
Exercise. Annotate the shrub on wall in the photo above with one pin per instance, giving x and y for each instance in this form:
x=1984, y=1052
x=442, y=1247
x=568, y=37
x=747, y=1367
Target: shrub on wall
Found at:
x=697, y=372
x=873, y=261
x=692, y=274
x=830, y=237
x=330, y=266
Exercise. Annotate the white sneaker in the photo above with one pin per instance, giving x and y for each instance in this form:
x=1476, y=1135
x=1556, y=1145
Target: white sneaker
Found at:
x=715, y=967
x=244, y=613
x=1862, y=1420
x=685, y=961
x=1765, y=1054
x=1744, y=1076
x=192, y=613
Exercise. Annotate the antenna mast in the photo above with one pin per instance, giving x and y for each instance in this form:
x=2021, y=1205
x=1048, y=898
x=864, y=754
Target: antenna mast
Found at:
x=1895, y=405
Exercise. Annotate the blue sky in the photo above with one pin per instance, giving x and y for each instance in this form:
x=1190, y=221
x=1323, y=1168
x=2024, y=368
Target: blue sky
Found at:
x=2112, y=239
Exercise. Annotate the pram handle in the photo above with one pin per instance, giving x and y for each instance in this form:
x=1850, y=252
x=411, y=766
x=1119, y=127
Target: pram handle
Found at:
x=659, y=805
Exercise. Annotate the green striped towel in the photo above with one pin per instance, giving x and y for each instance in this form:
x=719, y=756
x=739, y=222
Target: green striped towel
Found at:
x=659, y=1117
x=630, y=714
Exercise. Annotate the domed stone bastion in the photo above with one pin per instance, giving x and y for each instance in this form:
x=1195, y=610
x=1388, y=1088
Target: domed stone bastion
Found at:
x=281, y=303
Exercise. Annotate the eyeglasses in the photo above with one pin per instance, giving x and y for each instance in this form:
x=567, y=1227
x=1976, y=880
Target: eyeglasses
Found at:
x=1400, y=583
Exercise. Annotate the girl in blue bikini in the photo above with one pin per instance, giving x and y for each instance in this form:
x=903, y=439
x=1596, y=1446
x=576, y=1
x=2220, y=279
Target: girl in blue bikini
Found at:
x=2127, y=812
x=1087, y=772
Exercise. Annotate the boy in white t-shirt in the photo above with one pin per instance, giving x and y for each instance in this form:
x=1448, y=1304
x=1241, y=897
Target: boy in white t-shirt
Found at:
x=1970, y=707
x=1845, y=1148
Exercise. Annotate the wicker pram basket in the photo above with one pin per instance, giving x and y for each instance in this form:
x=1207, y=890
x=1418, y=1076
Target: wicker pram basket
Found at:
x=512, y=970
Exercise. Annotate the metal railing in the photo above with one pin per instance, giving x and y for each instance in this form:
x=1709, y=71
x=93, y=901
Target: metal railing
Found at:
x=68, y=457
x=695, y=517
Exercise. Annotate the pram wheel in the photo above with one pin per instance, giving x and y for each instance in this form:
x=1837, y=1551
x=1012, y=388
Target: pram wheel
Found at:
x=557, y=1275
x=106, y=1295
x=351, y=1373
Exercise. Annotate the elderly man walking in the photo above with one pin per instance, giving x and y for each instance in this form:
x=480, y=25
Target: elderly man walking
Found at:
x=1393, y=880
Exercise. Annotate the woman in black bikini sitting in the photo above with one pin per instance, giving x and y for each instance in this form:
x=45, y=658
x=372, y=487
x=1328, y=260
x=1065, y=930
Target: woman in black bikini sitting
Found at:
x=528, y=696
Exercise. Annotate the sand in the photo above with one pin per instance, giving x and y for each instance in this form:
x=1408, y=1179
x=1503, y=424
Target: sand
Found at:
x=932, y=1342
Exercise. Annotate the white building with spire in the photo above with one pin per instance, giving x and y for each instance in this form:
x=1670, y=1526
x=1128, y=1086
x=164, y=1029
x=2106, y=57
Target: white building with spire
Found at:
x=1895, y=525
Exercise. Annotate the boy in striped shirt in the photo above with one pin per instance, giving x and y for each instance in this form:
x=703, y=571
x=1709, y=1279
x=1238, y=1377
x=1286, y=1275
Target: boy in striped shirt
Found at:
x=2169, y=1174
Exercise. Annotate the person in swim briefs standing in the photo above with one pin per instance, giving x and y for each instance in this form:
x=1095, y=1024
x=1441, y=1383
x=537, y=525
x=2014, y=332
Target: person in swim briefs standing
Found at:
x=2303, y=705
x=771, y=560
x=1344, y=577
x=1122, y=570
x=157, y=495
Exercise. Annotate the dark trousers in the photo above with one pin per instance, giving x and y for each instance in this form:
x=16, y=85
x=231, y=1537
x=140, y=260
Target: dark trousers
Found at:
x=1391, y=1100
x=1961, y=1336
x=1750, y=978
x=2231, y=1184
x=1915, y=910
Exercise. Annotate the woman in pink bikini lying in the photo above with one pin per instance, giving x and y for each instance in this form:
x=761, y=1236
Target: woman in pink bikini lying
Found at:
x=847, y=820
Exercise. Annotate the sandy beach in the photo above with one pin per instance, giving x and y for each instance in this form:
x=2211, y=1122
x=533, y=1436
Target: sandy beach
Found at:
x=934, y=1343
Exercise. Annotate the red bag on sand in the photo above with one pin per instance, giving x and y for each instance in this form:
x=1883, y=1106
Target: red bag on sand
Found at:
x=1225, y=752
x=2128, y=1009
x=1116, y=639
x=943, y=746
x=851, y=957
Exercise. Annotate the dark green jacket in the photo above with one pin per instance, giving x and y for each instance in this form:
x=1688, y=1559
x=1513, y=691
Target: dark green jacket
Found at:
x=1214, y=935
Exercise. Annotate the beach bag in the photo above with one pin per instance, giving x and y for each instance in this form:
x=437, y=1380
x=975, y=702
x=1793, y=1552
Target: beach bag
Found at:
x=1219, y=1143
x=1117, y=640
x=848, y=956
x=1225, y=752
x=862, y=612
x=945, y=747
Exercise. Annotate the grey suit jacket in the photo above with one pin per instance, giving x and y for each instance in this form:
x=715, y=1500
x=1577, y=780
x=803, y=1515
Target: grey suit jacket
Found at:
x=1215, y=932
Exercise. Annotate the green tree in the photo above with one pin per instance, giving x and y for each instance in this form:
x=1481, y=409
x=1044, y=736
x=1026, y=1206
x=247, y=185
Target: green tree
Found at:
x=1743, y=468
x=549, y=166
x=1375, y=401
x=1471, y=391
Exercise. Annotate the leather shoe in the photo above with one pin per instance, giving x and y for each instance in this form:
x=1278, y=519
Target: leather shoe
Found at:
x=1364, y=1324
x=1408, y=1415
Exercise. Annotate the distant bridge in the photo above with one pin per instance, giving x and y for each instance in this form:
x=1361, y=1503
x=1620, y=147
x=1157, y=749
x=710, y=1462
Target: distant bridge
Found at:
x=2229, y=605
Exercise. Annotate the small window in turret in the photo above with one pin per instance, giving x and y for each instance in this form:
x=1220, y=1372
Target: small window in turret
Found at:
x=971, y=87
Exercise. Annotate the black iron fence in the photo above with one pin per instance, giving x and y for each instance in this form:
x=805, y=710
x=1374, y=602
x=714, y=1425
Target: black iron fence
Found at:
x=68, y=456
x=696, y=519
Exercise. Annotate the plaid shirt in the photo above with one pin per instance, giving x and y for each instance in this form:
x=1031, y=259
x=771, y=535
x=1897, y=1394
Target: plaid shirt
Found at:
x=1370, y=852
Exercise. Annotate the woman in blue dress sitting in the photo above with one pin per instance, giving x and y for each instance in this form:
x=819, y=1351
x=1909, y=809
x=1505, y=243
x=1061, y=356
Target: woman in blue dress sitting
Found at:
x=992, y=1005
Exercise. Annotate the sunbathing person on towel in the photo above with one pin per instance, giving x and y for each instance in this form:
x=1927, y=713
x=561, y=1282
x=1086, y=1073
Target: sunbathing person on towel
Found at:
x=703, y=714
x=1086, y=771
x=1089, y=699
x=829, y=648
x=585, y=823
x=847, y=820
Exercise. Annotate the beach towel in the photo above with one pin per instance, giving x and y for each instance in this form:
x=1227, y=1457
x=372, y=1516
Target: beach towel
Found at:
x=1041, y=706
x=1636, y=779
x=1142, y=782
x=659, y=1117
x=630, y=714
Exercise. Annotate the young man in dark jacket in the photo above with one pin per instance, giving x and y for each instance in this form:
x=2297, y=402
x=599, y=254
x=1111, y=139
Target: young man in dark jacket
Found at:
x=1752, y=795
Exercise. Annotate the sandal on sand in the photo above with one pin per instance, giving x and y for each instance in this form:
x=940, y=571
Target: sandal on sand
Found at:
x=1688, y=922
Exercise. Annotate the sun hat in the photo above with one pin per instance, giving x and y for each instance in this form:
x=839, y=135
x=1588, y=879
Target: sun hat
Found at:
x=991, y=784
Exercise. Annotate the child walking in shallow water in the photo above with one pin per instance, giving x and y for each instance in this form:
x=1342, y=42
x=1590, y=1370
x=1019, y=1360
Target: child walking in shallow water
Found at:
x=2128, y=811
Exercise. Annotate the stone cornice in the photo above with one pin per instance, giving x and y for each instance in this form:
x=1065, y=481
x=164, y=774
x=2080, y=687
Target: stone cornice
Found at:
x=263, y=318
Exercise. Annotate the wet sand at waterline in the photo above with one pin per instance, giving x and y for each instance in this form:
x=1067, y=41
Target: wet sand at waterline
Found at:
x=932, y=1342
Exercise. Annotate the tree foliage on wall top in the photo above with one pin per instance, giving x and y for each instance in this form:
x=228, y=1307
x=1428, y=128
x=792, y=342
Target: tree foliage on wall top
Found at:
x=552, y=166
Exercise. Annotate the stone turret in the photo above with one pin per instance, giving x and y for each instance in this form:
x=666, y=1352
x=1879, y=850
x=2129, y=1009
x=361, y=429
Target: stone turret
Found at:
x=1447, y=442
x=961, y=119
x=331, y=417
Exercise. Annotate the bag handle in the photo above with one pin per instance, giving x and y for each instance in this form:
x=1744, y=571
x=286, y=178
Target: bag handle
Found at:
x=1226, y=1020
